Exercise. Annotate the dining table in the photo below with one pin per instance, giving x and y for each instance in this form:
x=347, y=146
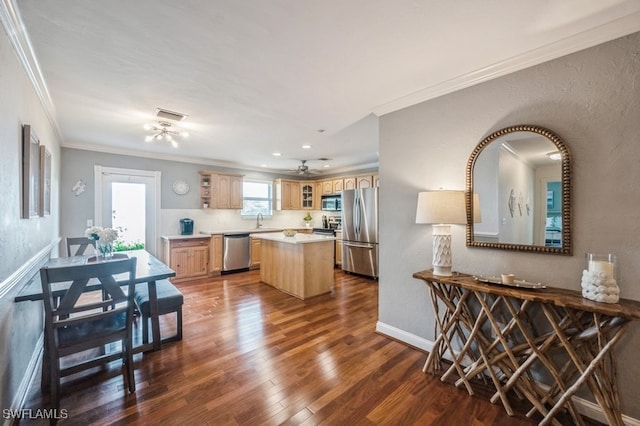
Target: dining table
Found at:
x=149, y=269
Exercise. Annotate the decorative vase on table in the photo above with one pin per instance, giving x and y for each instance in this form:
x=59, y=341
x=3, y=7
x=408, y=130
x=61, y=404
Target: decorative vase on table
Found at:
x=105, y=250
x=599, y=281
x=104, y=239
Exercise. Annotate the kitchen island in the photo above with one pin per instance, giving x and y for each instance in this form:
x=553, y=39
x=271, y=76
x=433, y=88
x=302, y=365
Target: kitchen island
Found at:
x=301, y=266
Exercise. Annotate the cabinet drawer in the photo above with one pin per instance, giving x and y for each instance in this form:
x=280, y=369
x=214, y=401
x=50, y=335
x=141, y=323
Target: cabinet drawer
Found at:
x=190, y=242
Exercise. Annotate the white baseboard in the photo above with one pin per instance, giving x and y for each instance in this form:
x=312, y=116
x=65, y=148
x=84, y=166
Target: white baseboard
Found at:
x=32, y=372
x=586, y=408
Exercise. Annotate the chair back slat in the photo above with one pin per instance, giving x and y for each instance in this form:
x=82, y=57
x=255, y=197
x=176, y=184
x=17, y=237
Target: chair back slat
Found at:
x=70, y=298
x=96, y=315
x=100, y=276
x=77, y=246
x=113, y=288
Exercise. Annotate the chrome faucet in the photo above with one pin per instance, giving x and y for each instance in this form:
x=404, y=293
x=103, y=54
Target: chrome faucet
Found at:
x=259, y=219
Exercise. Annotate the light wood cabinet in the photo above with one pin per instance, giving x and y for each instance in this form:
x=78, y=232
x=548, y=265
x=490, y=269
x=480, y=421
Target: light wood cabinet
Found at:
x=364, y=181
x=307, y=196
x=339, y=248
x=189, y=257
x=220, y=190
x=317, y=196
x=349, y=183
x=255, y=253
x=236, y=195
x=327, y=187
x=215, y=254
x=288, y=195
x=302, y=270
x=332, y=186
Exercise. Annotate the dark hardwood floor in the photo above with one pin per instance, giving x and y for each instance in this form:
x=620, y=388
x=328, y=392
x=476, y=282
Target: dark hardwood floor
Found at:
x=252, y=355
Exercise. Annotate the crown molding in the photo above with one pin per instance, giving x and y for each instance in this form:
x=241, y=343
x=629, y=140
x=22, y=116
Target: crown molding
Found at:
x=583, y=40
x=207, y=162
x=14, y=27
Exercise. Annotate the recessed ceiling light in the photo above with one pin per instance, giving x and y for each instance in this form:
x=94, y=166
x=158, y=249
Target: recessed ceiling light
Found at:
x=277, y=154
x=263, y=165
x=555, y=155
x=306, y=146
x=326, y=166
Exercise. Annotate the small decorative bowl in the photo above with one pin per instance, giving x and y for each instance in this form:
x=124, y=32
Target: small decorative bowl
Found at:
x=289, y=232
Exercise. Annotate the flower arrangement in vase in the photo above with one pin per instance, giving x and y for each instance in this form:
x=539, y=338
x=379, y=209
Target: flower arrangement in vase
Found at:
x=104, y=238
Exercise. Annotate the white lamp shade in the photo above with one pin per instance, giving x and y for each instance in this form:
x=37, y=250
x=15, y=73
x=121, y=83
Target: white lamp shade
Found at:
x=441, y=207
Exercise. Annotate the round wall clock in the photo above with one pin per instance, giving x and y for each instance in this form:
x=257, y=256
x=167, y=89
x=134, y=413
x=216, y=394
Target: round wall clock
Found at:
x=180, y=187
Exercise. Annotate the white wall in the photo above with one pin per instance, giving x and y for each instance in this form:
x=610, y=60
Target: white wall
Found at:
x=592, y=100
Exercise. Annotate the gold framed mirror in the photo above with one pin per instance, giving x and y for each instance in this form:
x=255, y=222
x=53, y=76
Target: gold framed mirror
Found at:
x=520, y=179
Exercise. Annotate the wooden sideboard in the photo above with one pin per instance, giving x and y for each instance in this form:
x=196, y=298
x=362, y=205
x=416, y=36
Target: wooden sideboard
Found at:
x=514, y=336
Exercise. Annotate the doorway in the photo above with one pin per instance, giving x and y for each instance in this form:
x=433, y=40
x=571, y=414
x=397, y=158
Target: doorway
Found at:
x=129, y=200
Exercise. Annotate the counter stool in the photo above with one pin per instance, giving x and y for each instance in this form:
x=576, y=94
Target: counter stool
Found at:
x=170, y=299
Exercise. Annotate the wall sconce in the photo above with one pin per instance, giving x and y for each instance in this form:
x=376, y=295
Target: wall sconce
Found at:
x=442, y=209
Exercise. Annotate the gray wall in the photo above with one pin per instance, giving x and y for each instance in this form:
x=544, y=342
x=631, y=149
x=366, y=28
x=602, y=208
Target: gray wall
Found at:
x=79, y=165
x=592, y=100
x=21, y=240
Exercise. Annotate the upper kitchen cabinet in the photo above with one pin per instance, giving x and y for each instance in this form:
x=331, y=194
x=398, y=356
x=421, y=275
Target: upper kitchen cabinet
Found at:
x=338, y=185
x=367, y=181
x=307, y=195
x=327, y=187
x=317, y=195
x=332, y=186
x=288, y=194
x=220, y=190
x=349, y=183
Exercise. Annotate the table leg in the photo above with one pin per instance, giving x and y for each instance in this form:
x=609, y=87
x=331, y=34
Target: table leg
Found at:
x=604, y=397
x=155, y=320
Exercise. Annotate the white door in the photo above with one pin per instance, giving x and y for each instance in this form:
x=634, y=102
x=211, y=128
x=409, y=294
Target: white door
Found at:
x=129, y=201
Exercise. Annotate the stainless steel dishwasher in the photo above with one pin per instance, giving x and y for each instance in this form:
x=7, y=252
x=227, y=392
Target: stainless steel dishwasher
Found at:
x=236, y=252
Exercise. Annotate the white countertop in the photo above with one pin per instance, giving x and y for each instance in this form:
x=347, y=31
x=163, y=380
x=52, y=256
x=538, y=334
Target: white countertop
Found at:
x=296, y=239
x=240, y=231
x=182, y=237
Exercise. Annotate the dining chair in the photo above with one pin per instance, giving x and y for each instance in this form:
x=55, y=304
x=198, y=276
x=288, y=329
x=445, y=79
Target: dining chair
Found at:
x=76, y=324
x=77, y=246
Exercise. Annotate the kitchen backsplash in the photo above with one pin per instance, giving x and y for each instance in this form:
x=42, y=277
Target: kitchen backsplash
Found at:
x=217, y=220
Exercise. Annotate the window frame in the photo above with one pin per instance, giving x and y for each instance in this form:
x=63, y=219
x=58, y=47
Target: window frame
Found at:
x=270, y=199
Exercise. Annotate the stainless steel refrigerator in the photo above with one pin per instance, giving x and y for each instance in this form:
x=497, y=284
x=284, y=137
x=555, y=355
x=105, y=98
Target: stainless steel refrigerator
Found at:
x=360, y=231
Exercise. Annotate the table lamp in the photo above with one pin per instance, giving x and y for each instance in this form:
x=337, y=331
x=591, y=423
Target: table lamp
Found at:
x=442, y=209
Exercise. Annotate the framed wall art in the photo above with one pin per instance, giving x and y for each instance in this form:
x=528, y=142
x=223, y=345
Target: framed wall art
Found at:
x=45, y=181
x=30, y=173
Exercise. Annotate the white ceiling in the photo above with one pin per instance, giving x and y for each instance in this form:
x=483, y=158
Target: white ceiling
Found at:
x=256, y=77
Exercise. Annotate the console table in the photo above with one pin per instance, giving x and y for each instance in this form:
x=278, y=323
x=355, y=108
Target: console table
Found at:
x=516, y=337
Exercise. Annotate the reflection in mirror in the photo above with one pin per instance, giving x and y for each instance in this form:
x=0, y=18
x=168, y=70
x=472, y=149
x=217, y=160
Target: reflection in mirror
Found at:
x=521, y=176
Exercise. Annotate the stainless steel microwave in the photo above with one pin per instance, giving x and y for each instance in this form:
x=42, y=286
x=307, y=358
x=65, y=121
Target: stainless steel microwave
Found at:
x=332, y=203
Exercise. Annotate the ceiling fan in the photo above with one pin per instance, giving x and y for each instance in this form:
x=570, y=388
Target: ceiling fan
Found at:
x=304, y=170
